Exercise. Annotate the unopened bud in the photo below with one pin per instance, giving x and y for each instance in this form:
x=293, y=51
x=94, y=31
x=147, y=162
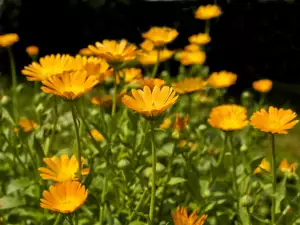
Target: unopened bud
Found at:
x=247, y=201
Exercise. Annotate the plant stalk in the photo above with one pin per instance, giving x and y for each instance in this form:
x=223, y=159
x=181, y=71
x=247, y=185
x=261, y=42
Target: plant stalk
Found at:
x=273, y=180
x=154, y=71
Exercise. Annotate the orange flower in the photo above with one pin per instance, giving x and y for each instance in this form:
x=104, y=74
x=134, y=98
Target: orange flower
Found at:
x=32, y=50
x=165, y=124
x=7, y=40
x=26, y=125
x=106, y=100
x=287, y=168
x=180, y=123
x=85, y=52
x=263, y=86
x=207, y=12
x=263, y=166
x=192, y=48
x=181, y=217
x=222, y=79
x=275, y=121
x=191, y=57
x=200, y=39
x=160, y=35
x=97, y=135
x=189, y=85
x=152, y=82
x=129, y=75
x=147, y=45
x=150, y=58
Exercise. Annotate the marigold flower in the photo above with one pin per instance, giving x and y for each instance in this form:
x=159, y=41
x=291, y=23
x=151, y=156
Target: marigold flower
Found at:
x=228, y=117
x=192, y=48
x=85, y=52
x=152, y=82
x=222, y=79
x=114, y=51
x=26, y=125
x=50, y=65
x=150, y=58
x=7, y=40
x=275, y=121
x=97, y=135
x=160, y=35
x=189, y=85
x=32, y=50
x=207, y=12
x=129, y=74
x=69, y=85
x=200, y=39
x=263, y=166
x=147, y=45
x=62, y=169
x=151, y=103
x=165, y=124
x=191, y=57
x=180, y=123
x=263, y=85
x=64, y=197
x=285, y=167
x=106, y=100
x=181, y=217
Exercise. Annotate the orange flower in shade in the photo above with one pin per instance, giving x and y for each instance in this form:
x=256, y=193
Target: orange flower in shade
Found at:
x=85, y=52
x=191, y=57
x=147, y=45
x=26, y=125
x=262, y=86
x=7, y=40
x=32, y=50
x=200, y=39
x=263, y=166
x=50, y=65
x=222, y=79
x=62, y=169
x=160, y=35
x=129, y=75
x=180, y=123
x=150, y=103
x=287, y=168
x=150, y=58
x=228, y=117
x=192, y=48
x=106, y=100
x=152, y=82
x=181, y=217
x=115, y=51
x=97, y=135
x=189, y=85
x=64, y=197
x=275, y=121
x=165, y=124
x=207, y=12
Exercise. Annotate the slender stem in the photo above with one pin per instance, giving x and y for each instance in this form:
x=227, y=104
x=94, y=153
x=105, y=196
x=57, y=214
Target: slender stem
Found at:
x=102, y=201
x=137, y=207
x=142, y=146
x=114, y=105
x=14, y=83
x=55, y=125
x=58, y=219
x=207, y=26
x=71, y=219
x=262, y=100
x=153, y=187
x=154, y=72
x=274, y=180
x=76, y=218
x=77, y=137
x=221, y=158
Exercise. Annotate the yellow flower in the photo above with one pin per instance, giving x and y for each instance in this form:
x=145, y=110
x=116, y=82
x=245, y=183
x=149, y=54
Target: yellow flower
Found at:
x=32, y=50
x=191, y=57
x=97, y=135
x=275, y=121
x=147, y=45
x=160, y=35
x=228, y=117
x=7, y=40
x=26, y=125
x=263, y=166
x=129, y=74
x=150, y=58
x=85, y=52
x=263, y=86
x=152, y=82
x=50, y=65
x=200, y=39
x=114, y=51
x=222, y=79
x=180, y=123
x=207, y=12
x=189, y=85
x=148, y=103
x=287, y=168
x=69, y=85
x=106, y=100
x=64, y=197
x=192, y=48
x=181, y=217
x=62, y=169
x=165, y=124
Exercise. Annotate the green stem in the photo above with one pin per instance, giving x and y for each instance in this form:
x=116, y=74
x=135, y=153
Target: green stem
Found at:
x=77, y=137
x=221, y=158
x=153, y=187
x=58, y=219
x=76, y=218
x=55, y=125
x=102, y=201
x=154, y=72
x=142, y=146
x=274, y=180
x=114, y=105
x=14, y=83
x=70, y=219
x=261, y=100
x=137, y=207
x=207, y=26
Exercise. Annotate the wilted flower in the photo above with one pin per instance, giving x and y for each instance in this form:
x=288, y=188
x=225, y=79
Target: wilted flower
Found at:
x=200, y=39
x=97, y=135
x=150, y=58
x=263, y=86
x=263, y=166
x=147, y=45
x=222, y=79
x=181, y=217
x=191, y=57
x=160, y=35
x=64, y=197
x=275, y=121
x=7, y=40
x=207, y=12
x=189, y=85
x=287, y=168
x=32, y=50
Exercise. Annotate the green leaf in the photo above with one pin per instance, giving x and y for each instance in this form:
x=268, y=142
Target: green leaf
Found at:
x=176, y=180
x=8, y=202
x=18, y=184
x=244, y=215
x=280, y=194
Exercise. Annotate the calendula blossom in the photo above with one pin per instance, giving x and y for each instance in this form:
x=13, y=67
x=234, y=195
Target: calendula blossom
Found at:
x=222, y=79
x=7, y=40
x=62, y=169
x=106, y=100
x=207, y=12
x=180, y=122
x=147, y=45
x=97, y=135
x=165, y=124
x=150, y=58
x=263, y=86
x=26, y=125
x=228, y=117
x=275, y=121
x=189, y=85
x=85, y=52
x=129, y=74
x=64, y=197
x=192, y=48
x=32, y=50
x=160, y=35
x=263, y=166
x=200, y=39
x=192, y=57
x=150, y=103
x=152, y=82
x=181, y=217
x=287, y=168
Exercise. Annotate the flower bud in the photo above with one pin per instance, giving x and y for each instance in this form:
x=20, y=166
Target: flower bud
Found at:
x=123, y=163
x=247, y=201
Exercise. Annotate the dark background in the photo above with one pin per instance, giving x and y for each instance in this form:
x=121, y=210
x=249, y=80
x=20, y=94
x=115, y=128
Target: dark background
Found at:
x=255, y=39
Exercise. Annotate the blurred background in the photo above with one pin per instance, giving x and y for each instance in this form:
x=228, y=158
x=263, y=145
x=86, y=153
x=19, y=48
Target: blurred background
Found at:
x=254, y=39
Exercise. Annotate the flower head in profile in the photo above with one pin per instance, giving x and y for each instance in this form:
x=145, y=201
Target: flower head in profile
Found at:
x=189, y=85
x=85, y=52
x=228, y=117
x=152, y=82
x=115, y=51
x=26, y=125
x=32, y=50
x=275, y=121
x=129, y=75
x=147, y=45
x=105, y=101
x=192, y=48
x=180, y=122
x=50, y=65
x=165, y=124
x=97, y=135
x=64, y=197
x=263, y=166
x=263, y=86
x=287, y=168
x=192, y=57
x=150, y=103
x=7, y=40
x=207, y=12
x=150, y=58
x=200, y=39
x=181, y=217
x=160, y=35
x=69, y=85
x=62, y=169
x=222, y=79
